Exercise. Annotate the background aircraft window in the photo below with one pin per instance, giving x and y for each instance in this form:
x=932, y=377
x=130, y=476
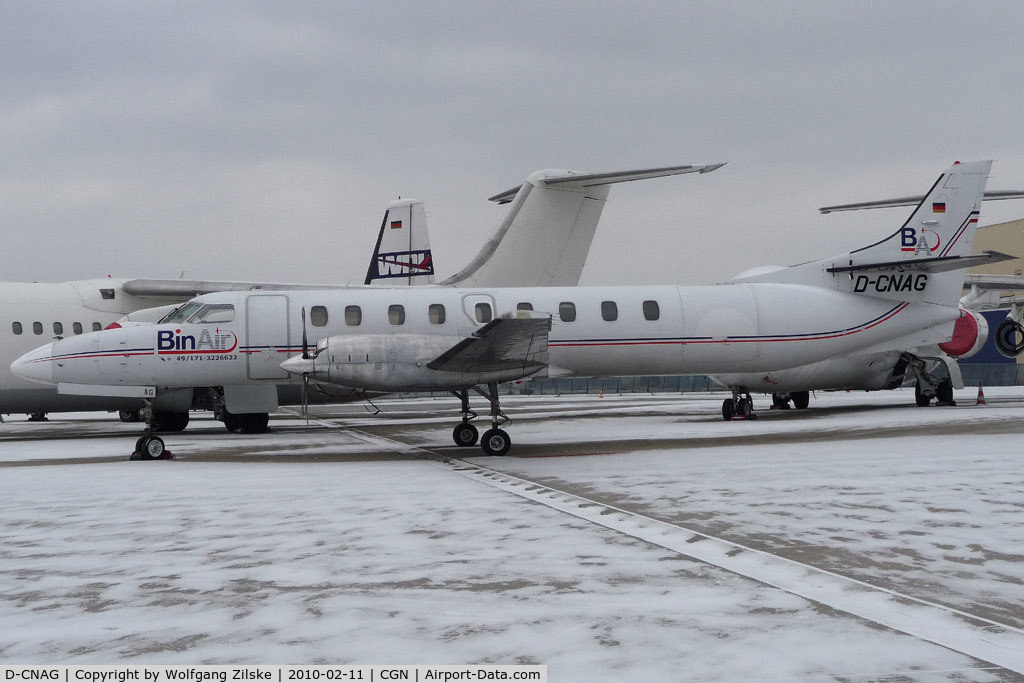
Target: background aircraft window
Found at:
x=436, y=313
x=77, y=327
x=651, y=310
x=58, y=328
x=107, y=293
x=524, y=306
x=567, y=311
x=16, y=328
x=214, y=313
x=609, y=311
x=318, y=316
x=396, y=314
x=96, y=327
x=483, y=312
x=353, y=315
x=37, y=328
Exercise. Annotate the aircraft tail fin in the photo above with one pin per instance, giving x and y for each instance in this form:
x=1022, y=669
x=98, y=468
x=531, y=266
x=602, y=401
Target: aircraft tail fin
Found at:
x=402, y=255
x=545, y=236
x=923, y=260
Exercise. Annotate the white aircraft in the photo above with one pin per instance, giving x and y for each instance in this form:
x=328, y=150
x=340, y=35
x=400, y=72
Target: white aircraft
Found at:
x=932, y=368
x=32, y=311
x=893, y=294
x=543, y=238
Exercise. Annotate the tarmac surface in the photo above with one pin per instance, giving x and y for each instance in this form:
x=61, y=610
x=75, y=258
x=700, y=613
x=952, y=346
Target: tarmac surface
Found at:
x=875, y=514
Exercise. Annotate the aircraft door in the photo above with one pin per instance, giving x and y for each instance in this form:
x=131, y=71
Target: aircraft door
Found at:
x=267, y=335
x=479, y=308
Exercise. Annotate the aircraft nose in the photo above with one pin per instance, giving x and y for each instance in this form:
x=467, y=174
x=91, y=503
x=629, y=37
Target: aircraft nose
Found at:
x=36, y=365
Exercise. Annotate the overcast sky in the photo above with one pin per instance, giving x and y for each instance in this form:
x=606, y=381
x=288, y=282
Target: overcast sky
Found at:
x=262, y=140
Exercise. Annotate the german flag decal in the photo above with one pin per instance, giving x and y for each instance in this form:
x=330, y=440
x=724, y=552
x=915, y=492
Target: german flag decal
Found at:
x=395, y=225
x=938, y=207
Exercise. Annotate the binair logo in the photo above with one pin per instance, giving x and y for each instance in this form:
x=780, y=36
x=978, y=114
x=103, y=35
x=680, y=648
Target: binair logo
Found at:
x=169, y=342
x=909, y=241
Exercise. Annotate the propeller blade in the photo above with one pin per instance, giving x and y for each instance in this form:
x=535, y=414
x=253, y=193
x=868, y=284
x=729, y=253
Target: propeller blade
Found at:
x=305, y=343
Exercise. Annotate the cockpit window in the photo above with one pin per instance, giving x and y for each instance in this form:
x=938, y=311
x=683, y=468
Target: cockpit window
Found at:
x=181, y=313
x=213, y=313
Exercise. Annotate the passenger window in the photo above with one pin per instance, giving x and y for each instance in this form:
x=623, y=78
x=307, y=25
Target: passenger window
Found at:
x=651, y=310
x=58, y=328
x=213, y=313
x=96, y=327
x=353, y=316
x=37, y=328
x=567, y=311
x=16, y=328
x=524, y=306
x=396, y=314
x=609, y=311
x=436, y=313
x=318, y=316
x=77, y=327
x=483, y=312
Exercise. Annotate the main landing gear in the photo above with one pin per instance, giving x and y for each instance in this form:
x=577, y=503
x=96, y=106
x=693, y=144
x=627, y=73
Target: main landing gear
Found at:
x=495, y=441
x=739, y=407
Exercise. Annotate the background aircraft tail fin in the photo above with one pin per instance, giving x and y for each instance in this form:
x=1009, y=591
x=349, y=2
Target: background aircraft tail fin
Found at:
x=402, y=255
x=545, y=236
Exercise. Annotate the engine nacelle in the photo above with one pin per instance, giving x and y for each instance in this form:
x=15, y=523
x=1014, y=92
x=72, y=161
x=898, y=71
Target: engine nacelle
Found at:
x=396, y=362
x=1009, y=338
x=969, y=334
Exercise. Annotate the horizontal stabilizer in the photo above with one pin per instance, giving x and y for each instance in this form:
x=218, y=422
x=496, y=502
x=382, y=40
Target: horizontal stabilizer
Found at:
x=572, y=179
x=504, y=343
x=995, y=195
x=934, y=264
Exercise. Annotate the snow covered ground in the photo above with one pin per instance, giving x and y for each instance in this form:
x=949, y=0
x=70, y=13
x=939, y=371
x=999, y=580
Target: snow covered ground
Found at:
x=373, y=558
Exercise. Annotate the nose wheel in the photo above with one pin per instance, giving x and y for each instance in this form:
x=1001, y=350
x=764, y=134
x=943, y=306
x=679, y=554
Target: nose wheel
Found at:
x=150, y=446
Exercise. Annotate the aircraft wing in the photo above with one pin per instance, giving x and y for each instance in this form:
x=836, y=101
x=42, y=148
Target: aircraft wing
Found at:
x=572, y=179
x=1002, y=283
x=914, y=200
x=935, y=264
x=504, y=343
x=186, y=289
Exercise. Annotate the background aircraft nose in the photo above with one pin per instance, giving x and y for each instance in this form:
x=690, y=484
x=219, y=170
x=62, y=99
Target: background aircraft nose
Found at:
x=35, y=365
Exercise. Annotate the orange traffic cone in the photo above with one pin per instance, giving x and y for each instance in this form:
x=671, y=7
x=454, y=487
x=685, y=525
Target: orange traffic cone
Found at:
x=981, y=396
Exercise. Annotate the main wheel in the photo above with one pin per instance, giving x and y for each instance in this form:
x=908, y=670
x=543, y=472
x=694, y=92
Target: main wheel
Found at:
x=253, y=423
x=944, y=393
x=780, y=401
x=465, y=434
x=744, y=407
x=801, y=399
x=152, y=448
x=920, y=398
x=169, y=422
x=495, y=442
x=728, y=409
x=230, y=421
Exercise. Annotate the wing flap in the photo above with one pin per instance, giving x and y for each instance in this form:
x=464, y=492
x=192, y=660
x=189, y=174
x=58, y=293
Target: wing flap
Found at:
x=505, y=343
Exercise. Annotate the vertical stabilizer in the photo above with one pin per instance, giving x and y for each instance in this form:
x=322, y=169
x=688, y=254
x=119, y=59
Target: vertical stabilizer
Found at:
x=544, y=238
x=402, y=255
x=922, y=261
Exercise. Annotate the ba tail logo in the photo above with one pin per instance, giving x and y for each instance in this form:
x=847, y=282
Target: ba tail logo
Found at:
x=909, y=240
x=404, y=264
x=170, y=342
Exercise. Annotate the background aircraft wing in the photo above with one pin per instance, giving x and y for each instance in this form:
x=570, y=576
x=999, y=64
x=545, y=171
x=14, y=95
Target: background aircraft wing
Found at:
x=186, y=289
x=914, y=200
x=504, y=343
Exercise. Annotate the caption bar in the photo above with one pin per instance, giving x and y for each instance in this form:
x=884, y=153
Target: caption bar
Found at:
x=271, y=674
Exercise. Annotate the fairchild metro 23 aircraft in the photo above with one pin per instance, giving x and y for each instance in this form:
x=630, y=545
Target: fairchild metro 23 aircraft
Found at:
x=892, y=294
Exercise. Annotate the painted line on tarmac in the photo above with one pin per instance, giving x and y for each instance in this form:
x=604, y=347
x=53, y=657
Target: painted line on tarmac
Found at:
x=954, y=629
